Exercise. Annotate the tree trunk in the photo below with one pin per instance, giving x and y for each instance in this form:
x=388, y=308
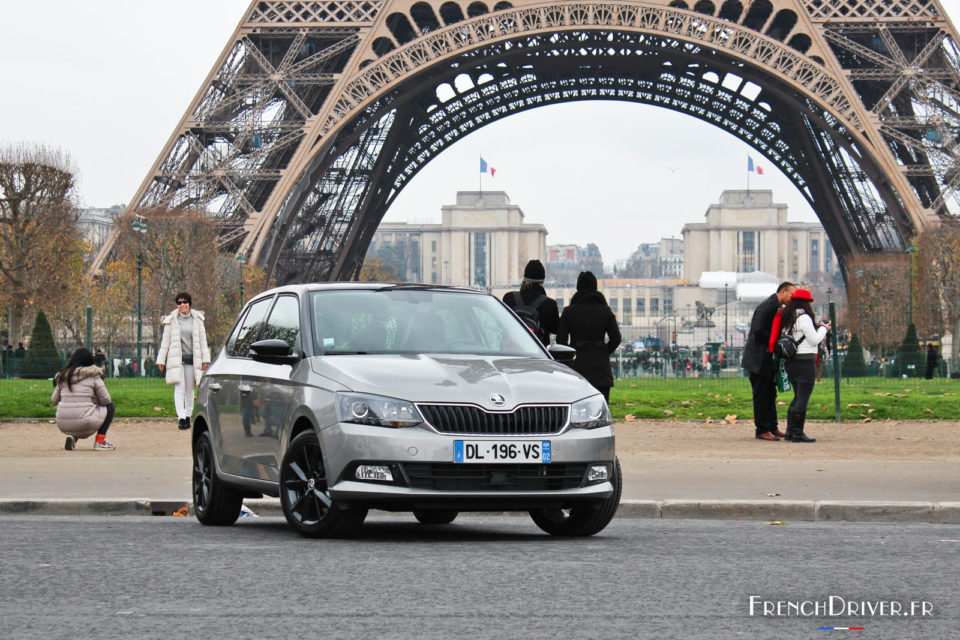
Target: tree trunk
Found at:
x=954, y=348
x=15, y=324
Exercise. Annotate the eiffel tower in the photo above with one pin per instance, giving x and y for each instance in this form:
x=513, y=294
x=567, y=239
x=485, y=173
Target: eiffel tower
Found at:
x=317, y=114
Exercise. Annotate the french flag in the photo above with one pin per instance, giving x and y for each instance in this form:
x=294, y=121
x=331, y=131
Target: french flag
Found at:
x=753, y=167
x=485, y=168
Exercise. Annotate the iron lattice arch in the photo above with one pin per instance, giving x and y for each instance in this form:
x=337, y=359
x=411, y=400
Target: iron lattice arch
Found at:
x=319, y=113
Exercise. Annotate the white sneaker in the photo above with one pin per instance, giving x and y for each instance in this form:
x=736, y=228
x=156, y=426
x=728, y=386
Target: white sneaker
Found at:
x=106, y=446
x=70, y=444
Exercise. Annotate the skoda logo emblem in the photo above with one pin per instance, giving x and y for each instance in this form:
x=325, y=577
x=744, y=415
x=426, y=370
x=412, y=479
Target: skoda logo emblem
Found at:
x=497, y=399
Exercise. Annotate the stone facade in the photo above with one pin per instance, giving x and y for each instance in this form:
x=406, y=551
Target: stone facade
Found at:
x=747, y=231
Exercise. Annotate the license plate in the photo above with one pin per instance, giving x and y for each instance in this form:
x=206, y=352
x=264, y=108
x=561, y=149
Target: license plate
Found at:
x=501, y=451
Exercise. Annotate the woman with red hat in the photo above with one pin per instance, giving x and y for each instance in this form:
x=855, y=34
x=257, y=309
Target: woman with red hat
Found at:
x=800, y=323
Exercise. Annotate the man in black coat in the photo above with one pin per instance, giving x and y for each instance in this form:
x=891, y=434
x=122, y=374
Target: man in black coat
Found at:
x=588, y=325
x=530, y=289
x=759, y=362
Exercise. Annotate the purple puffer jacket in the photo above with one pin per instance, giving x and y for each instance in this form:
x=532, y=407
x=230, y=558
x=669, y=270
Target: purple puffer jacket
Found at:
x=82, y=409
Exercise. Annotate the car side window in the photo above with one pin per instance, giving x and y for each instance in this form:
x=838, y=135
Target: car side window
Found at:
x=249, y=330
x=284, y=322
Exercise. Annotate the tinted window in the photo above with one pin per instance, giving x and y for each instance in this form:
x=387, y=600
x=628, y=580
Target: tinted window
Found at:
x=284, y=322
x=249, y=329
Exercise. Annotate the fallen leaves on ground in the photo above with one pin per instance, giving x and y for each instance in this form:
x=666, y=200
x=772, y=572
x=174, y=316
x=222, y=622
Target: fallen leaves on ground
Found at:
x=731, y=418
x=181, y=512
x=667, y=412
x=777, y=522
x=709, y=420
x=883, y=393
x=629, y=418
x=158, y=408
x=867, y=420
x=929, y=410
x=900, y=395
x=781, y=403
x=772, y=495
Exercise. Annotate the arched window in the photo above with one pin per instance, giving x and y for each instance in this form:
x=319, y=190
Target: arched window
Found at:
x=500, y=6
x=450, y=12
x=401, y=28
x=477, y=9
x=423, y=15
x=801, y=42
x=758, y=14
x=782, y=24
x=705, y=7
x=382, y=46
x=679, y=4
x=731, y=10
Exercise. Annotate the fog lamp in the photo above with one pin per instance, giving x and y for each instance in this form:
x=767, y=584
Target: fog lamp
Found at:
x=597, y=472
x=374, y=472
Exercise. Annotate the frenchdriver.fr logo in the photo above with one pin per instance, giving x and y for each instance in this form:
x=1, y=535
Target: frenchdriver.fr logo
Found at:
x=838, y=606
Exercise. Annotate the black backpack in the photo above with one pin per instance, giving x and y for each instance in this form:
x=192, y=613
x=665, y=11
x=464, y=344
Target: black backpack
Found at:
x=786, y=346
x=529, y=313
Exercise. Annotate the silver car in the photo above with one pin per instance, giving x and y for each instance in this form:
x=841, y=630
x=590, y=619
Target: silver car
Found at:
x=342, y=397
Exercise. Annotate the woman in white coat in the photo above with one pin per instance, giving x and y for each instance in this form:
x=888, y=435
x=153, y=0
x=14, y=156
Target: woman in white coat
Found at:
x=801, y=324
x=184, y=354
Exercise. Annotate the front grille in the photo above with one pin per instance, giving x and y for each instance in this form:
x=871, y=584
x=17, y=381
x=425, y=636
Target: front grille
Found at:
x=458, y=419
x=443, y=476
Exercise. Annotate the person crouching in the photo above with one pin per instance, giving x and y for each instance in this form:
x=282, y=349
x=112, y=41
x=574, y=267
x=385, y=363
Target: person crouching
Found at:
x=84, y=406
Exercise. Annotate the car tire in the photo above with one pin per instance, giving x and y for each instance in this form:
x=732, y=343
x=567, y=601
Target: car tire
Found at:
x=213, y=503
x=304, y=496
x=445, y=516
x=584, y=520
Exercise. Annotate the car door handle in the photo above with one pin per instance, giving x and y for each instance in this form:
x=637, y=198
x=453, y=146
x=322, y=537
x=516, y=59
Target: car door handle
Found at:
x=214, y=386
x=245, y=389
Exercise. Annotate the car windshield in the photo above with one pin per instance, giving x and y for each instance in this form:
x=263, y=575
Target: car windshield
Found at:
x=410, y=320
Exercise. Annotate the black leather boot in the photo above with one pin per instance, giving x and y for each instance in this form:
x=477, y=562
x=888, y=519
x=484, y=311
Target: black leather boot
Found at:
x=798, y=434
x=791, y=427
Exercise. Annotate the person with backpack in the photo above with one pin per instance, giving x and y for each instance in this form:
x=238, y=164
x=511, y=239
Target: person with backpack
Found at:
x=590, y=327
x=531, y=303
x=800, y=323
x=759, y=363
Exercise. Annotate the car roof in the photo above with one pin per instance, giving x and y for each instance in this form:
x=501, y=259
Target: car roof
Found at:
x=345, y=286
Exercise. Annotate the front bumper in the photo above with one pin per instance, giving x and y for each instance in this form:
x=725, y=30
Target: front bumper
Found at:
x=425, y=476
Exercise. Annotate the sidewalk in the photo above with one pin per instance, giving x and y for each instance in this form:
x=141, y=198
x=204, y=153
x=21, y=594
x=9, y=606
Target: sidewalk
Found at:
x=908, y=471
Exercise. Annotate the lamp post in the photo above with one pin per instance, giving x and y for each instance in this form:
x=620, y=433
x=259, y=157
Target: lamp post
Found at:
x=910, y=251
x=860, y=304
x=725, y=289
x=242, y=260
x=140, y=227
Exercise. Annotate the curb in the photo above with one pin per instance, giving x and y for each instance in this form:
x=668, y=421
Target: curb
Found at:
x=779, y=511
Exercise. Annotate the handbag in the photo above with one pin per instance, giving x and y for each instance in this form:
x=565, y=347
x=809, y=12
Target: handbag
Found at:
x=783, y=382
x=786, y=346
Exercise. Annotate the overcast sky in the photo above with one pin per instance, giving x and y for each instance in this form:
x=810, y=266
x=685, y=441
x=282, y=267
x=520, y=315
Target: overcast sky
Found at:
x=108, y=80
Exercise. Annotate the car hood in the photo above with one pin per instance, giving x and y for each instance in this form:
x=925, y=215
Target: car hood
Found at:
x=457, y=379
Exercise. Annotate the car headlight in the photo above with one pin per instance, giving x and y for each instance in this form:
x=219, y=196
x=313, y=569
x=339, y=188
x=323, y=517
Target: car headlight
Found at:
x=363, y=408
x=590, y=413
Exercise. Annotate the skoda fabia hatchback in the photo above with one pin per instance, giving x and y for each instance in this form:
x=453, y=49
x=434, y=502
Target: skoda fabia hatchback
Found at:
x=345, y=397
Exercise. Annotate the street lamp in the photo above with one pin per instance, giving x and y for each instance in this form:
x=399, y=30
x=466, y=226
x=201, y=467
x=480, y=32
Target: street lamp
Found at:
x=910, y=251
x=242, y=260
x=725, y=289
x=140, y=227
x=860, y=304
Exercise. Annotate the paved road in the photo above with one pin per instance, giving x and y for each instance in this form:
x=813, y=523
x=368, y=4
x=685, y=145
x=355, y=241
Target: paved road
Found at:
x=483, y=577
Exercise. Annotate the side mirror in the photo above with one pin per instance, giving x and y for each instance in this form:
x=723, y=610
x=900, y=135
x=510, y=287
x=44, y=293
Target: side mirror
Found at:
x=273, y=351
x=562, y=353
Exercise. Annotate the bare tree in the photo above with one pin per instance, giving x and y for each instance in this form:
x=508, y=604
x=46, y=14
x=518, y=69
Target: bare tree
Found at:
x=937, y=273
x=39, y=242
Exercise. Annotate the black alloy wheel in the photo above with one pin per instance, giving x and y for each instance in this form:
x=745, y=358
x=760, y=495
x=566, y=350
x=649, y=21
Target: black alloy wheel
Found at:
x=213, y=503
x=442, y=516
x=304, y=497
x=584, y=520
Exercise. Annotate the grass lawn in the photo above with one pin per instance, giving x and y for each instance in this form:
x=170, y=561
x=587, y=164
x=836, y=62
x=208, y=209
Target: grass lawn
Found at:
x=135, y=398
x=686, y=398
x=860, y=398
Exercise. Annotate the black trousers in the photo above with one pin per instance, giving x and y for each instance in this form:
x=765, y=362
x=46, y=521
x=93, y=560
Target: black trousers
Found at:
x=802, y=371
x=111, y=409
x=764, y=402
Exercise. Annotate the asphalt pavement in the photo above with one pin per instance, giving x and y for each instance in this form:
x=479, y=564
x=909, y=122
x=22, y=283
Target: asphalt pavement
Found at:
x=480, y=577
